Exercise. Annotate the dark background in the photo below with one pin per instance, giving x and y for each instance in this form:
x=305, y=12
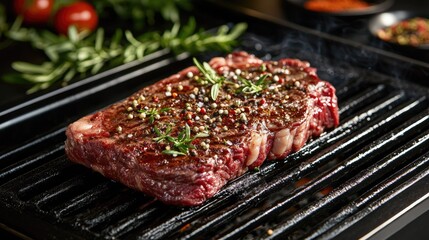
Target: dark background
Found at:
x=353, y=28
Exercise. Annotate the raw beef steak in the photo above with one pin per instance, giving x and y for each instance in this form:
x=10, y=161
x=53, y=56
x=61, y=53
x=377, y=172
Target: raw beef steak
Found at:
x=182, y=138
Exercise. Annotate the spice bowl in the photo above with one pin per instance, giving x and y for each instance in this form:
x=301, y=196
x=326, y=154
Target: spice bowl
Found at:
x=396, y=29
x=374, y=7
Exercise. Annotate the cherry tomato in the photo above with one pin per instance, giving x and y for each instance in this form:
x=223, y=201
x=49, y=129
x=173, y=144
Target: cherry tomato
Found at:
x=34, y=11
x=80, y=14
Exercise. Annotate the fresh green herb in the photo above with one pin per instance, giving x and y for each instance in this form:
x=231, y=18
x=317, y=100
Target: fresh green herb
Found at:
x=163, y=136
x=68, y=57
x=257, y=169
x=181, y=144
x=82, y=53
x=152, y=113
x=250, y=87
x=185, y=38
x=210, y=76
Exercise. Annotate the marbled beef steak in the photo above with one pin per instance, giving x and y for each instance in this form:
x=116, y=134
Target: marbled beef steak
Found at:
x=184, y=137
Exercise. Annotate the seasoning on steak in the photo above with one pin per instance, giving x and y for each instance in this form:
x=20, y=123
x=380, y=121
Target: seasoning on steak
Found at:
x=183, y=138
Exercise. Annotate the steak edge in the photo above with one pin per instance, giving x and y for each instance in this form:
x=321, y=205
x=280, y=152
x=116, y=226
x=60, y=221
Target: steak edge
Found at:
x=142, y=141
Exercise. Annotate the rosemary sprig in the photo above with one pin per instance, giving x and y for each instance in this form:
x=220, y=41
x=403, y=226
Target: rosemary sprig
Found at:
x=210, y=77
x=181, y=144
x=81, y=53
x=163, y=136
x=153, y=113
x=250, y=87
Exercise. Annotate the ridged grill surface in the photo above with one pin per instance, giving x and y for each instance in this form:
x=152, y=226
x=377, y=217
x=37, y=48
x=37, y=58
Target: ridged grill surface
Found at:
x=380, y=148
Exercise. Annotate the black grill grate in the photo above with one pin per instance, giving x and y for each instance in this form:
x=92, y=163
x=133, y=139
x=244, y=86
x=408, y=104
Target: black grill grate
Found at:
x=377, y=148
x=379, y=151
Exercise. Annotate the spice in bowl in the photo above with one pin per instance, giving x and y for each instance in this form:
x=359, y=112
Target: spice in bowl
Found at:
x=414, y=32
x=335, y=5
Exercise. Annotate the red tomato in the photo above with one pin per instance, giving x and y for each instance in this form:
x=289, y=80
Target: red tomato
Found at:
x=80, y=14
x=34, y=11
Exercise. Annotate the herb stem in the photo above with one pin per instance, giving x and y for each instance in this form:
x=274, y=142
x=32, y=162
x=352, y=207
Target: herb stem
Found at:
x=181, y=144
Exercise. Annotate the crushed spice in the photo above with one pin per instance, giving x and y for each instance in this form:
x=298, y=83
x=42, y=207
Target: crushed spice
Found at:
x=335, y=5
x=414, y=32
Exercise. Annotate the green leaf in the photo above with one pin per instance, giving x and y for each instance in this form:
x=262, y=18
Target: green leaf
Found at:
x=187, y=131
x=222, y=30
x=151, y=119
x=61, y=47
x=99, y=39
x=34, y=89
x=97, y=67
x=130, y=37
x=157, y=132
x=174, y=30
x=181, y=136
x=189, y=28
x=199, y=66
x=73, y=34
x=169, y=138
x=248, y=87
x=261, y=80
x=50, y=77
x=172, y=152
x=52, y=54
x=69, y=75
x=18, y=36
x=214, y=92
x=140, y=51
x=202, y=135
x=237, y=30
x=31, y=68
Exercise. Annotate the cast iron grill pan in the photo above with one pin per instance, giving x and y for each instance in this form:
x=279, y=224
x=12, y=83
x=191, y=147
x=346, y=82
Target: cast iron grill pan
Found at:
x=380, y=150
